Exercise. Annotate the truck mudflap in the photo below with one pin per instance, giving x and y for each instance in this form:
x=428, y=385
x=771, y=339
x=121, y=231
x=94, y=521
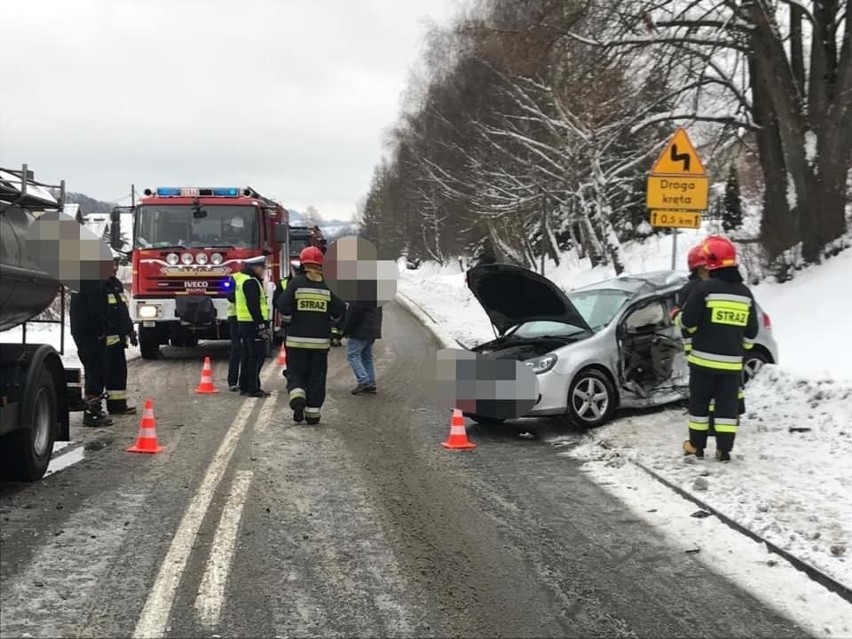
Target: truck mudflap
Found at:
x=196, y=310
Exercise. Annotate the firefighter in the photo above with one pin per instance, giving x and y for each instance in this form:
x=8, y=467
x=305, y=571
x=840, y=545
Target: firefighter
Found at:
x=308, y=309
x=119, y=328
x=721, y=317
x=236, y=352
x=87, y=314
x=253, y=324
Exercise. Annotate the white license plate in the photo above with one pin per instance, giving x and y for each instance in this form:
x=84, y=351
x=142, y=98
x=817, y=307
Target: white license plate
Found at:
x=149, y=324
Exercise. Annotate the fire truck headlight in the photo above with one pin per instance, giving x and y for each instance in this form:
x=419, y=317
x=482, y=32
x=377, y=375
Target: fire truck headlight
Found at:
x=147, y=311
x=216, y=259
x=186, y=258
x=201, y=258
x=172, y=259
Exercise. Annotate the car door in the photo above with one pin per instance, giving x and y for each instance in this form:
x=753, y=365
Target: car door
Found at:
x=651, y=352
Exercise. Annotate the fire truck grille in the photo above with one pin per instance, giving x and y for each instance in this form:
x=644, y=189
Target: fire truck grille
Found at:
x=195, y=286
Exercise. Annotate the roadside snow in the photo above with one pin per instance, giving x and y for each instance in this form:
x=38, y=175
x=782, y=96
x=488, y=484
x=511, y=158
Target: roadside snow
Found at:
x=51, y=334
x=790, y=487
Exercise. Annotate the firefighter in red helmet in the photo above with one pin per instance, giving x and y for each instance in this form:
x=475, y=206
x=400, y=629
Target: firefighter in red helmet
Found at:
x=697, y=264
x=721, y=318
x=309, y=309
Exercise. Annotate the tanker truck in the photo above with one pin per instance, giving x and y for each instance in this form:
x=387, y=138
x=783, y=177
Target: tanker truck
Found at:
x=37, y=392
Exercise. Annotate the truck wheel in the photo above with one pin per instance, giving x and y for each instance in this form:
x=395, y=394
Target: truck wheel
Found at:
x=27, y=451
x=148, y=346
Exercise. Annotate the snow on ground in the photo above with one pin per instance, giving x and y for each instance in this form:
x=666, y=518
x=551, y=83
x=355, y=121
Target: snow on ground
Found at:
x=790, y=487
x=810, y=316
x=51, y=334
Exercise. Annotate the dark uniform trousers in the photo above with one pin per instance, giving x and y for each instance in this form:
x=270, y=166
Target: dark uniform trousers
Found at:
x=236, y=352
x=253, y=354
x=307, y=369
x=116, y=362
x=93, y=356
x=708, y=386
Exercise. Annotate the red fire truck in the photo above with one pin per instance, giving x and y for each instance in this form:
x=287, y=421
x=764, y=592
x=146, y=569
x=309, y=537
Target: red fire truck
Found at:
x=186, y=244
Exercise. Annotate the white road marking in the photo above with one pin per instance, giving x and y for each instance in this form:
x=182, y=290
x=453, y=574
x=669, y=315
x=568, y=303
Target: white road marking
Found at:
x=64, y=460
x=155, y=614
x=211, y=594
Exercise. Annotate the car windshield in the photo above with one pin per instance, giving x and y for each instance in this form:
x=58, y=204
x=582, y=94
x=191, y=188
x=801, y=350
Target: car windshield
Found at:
x=297, y=244
x=538, y=329
x=169, y=225
x=598, y=306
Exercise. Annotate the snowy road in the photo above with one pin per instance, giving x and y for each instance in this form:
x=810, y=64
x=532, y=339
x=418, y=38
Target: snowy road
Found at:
x=363, y=526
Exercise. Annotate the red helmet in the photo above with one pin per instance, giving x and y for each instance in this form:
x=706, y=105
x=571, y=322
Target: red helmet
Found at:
x=311, y=255
x=719, y=252
x=696, y=257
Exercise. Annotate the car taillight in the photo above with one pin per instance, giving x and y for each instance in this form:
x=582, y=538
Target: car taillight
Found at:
x=767, y=323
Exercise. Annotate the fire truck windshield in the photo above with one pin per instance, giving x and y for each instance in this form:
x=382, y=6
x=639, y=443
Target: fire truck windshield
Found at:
x=164, y=226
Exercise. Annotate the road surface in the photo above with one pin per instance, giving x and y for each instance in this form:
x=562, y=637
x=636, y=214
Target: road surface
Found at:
x=249, y=525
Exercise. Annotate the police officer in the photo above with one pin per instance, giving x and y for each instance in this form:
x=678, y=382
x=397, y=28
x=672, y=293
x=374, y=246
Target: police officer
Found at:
x=119, y=328
x=721, y=317
x=236, y=351
x=308, y=309
x=253, y=322
x=87, y=314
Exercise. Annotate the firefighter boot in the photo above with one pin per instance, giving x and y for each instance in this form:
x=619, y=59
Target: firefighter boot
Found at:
x=94, y=416
x=690, y=449
x=297, y=405
x=723, y=455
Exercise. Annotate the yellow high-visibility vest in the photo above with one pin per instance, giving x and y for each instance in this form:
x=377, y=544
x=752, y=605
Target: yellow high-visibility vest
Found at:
x=243, y=314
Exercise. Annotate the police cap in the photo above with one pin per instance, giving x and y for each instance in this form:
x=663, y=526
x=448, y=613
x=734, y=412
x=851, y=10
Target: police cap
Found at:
x=260, y=260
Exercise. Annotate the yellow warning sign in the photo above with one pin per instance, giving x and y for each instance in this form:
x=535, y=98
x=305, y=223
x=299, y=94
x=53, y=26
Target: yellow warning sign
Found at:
x=679, y=158
x=677, y=193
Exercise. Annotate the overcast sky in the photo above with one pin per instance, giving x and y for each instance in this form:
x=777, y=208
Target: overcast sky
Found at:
x=291, y=97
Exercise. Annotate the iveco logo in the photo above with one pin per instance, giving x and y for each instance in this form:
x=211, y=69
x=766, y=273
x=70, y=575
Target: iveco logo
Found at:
x=196, y=284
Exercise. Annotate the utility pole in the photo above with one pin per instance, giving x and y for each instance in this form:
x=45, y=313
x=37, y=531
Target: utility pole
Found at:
x=132, y=195
x=674, y=249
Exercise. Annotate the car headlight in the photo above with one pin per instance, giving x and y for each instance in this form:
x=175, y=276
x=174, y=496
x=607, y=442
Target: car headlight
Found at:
x=201, y=258
x=216, y=259
x=148, y=311
x=186, y=258
x=542, y=364
x=172, y=259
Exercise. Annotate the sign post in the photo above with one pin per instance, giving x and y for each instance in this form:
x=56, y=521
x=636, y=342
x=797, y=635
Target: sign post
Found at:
x=678, y=188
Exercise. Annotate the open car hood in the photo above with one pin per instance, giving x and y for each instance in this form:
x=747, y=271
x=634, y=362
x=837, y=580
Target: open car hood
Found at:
x=512, y=295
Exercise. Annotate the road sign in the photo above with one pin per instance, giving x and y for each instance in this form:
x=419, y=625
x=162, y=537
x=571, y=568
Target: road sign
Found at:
x=676, y=219
x=677, y=193
x=679, y=158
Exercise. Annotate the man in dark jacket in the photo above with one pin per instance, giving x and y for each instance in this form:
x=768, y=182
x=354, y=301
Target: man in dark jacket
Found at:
x=720, y=315
x=119, y=328
x=362, y=328
x=87, y=314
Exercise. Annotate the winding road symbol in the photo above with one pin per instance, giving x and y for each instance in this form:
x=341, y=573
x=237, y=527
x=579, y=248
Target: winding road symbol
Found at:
x=682, y=157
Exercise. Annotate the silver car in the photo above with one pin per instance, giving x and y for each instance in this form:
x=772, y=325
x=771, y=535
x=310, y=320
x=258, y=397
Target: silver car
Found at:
x=599, y=348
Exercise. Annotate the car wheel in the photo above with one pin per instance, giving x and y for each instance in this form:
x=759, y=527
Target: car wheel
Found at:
x=591, y=398
x=752, y=363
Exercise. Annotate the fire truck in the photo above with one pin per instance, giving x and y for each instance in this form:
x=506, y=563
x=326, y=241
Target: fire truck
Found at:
x=187, y=242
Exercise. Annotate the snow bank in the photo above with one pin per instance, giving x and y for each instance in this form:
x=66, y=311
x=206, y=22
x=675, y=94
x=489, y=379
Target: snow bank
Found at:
x=790, y=487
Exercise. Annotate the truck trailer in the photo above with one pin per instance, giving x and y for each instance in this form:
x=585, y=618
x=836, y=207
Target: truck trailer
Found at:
x=37, y=392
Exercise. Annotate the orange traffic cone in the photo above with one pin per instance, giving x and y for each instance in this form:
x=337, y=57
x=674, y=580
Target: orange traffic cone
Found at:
x=147, y=441
x=282, y=356
x=205, y=386
x=458, y=435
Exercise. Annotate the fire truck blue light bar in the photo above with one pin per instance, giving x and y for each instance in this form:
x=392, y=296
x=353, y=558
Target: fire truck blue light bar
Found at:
x=170, y=191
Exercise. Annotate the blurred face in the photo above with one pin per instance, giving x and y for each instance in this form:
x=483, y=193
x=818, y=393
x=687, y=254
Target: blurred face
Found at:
x=259, y=269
